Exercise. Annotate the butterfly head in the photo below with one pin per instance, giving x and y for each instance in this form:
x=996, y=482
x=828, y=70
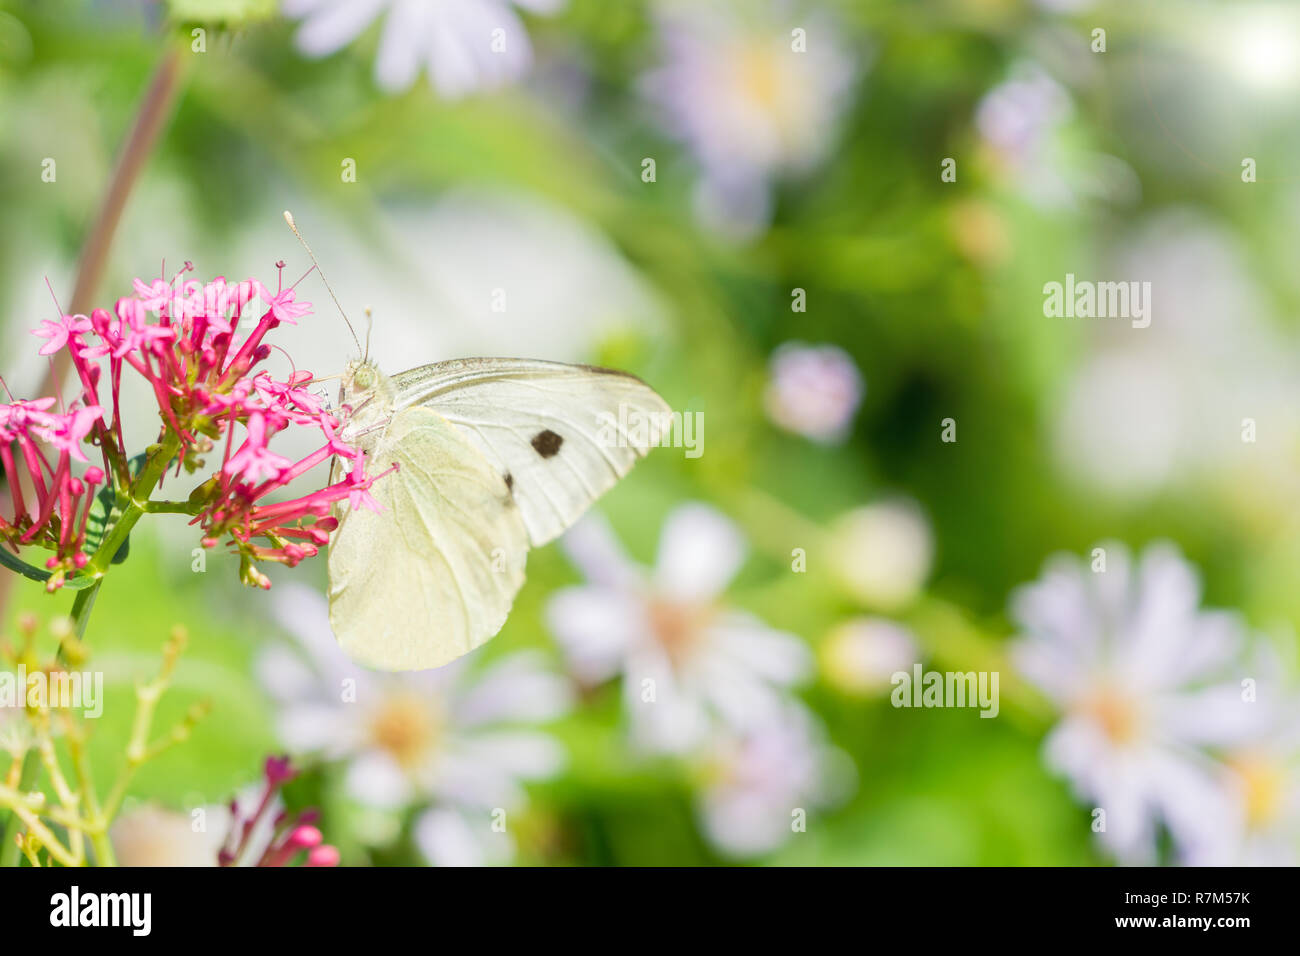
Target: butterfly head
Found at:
x=366, y=394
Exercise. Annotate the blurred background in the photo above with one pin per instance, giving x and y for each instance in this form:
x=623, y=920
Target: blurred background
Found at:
x=826, y=228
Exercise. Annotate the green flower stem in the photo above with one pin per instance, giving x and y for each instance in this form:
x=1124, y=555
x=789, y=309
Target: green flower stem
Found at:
x=171, y=508
x=25, y=812
x=137, y=504
x=9, y=850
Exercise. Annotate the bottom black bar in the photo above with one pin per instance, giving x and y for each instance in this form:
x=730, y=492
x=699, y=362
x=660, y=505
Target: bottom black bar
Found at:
x=332, y=905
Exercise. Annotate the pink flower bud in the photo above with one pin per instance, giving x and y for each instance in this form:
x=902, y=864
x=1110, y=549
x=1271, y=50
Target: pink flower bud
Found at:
x=324, y=855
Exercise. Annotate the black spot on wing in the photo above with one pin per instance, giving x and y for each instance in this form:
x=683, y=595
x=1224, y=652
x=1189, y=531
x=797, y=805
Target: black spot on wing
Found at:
x=547, y=443
x=510, y=482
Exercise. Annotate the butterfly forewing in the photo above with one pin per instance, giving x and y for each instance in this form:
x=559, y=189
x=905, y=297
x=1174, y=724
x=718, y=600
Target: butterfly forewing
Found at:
x=557, y=434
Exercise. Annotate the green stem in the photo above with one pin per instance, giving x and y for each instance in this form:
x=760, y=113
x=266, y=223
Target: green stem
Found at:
x=81, y=608
x=170, y=508
x=9, y=850
x=137, y=504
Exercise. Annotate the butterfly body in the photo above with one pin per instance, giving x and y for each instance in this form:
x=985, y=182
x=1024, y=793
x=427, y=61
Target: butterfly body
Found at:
x=493, y=456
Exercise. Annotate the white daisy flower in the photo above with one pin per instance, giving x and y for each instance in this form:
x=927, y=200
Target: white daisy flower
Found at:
x=735, y=86
x=466, y=45
x=760, y=786
x=448, y=738
x=1139, y=672
x=688, y=664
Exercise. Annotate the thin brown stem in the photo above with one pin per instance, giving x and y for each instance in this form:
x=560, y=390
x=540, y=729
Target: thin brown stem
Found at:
x=154, y=111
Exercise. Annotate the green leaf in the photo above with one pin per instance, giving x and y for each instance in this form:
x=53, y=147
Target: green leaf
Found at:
x=17, y=564
x=100, y=518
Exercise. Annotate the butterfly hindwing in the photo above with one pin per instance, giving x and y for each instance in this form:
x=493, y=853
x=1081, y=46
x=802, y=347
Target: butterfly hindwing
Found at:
x=434, y=574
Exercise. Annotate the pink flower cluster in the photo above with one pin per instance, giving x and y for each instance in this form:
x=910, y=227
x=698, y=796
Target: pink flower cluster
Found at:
x=61, y=501
x=271, y=835
x=184, y=339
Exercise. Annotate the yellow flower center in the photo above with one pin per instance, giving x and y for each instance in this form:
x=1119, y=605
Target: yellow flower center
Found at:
x=1115, y=712
x=1262, y=782
x=678, y=627
x=756, y=75
x=406, y=726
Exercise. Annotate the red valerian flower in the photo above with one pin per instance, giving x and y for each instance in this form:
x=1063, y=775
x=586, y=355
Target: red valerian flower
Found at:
x=60, y=501
x=210, y=384
x=269, y=835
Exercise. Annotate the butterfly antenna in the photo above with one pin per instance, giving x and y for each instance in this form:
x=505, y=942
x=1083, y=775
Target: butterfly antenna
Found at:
x=370, y=327
x=288, y=217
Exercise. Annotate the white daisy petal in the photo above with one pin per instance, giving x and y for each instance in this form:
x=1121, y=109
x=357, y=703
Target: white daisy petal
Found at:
x=329, y=30
x=521, y=754
x=304, y=612
x=314, y=727
x=283, y=673
x=592, y=546
x=401, y=45
x=449, y=838
x=595, y=627
x=375, y=779
x=519, y=688
x=775, y=656
x=700, y=551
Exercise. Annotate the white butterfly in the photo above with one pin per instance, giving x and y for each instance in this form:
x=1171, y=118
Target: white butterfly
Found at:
x=493, y=455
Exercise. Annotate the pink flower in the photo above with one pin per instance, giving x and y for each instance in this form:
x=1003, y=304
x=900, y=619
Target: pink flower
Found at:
x=359, y=497
x=254, y=461
x=66, y=432
x=58, y=330
x=264, y=833
x=155, y=295
x=282, y=305
x=55, y=516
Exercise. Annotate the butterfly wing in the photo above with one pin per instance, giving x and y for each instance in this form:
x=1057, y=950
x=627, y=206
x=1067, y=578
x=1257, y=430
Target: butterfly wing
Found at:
x=559, y=435
x=434, y=574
